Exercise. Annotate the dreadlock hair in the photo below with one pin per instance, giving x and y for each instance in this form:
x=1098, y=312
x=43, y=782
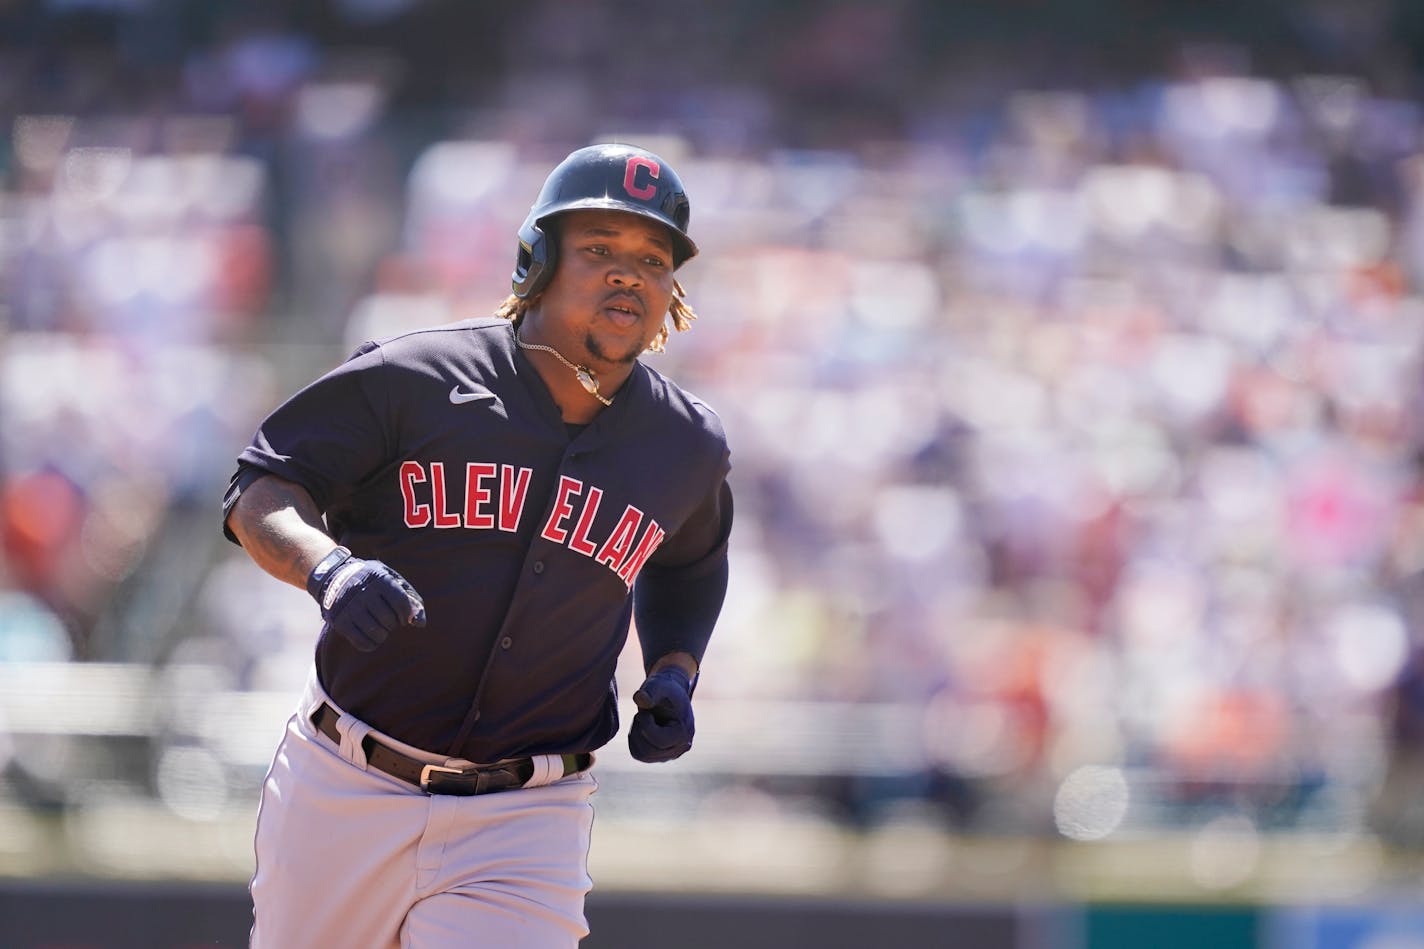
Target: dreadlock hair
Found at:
x=514, y=308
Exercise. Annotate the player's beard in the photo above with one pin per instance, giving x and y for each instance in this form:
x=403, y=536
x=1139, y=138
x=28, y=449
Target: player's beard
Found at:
x=598, y=351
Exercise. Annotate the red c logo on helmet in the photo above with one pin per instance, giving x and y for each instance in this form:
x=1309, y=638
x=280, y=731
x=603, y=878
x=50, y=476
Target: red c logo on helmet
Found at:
x=630, y=177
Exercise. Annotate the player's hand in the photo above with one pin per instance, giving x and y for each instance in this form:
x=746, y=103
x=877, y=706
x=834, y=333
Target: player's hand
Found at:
x=662, y=730
x=365, y=601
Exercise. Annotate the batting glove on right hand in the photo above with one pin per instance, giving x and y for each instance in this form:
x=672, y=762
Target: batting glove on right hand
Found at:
x=663, y=728
x=363, y=600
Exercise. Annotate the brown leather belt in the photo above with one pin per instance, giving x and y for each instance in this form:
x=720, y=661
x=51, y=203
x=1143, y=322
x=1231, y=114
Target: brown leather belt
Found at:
x=438, y=779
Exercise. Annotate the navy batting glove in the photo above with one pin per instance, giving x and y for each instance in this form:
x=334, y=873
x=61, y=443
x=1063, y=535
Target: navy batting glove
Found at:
x=662, y=730
x=363, y=600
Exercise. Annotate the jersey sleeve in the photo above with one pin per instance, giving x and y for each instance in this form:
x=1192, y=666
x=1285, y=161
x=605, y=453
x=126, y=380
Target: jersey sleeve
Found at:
x=701, y=540
x=679, y=594
x=241, y=479
x=328, y=437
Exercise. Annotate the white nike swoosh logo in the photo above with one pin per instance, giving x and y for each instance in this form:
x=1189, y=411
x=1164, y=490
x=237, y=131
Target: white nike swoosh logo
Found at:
x=460, y=398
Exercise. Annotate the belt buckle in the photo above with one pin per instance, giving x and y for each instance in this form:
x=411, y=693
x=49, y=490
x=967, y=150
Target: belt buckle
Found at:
x=500, y=777
x=432, y=769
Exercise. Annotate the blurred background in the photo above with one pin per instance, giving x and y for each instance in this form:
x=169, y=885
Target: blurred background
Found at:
x=1070, y=353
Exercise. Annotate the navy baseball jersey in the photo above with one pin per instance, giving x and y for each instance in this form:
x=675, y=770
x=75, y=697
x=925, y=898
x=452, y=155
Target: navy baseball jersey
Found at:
x=442, y=453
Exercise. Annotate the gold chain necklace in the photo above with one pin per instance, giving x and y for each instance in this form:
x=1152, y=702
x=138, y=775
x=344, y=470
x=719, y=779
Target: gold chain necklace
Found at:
x=584, y=374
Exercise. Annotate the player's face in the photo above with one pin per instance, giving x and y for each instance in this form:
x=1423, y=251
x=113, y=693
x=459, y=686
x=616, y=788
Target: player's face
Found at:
x=611, y=289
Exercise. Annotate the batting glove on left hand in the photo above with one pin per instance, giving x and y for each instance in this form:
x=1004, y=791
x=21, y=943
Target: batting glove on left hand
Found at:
x=663, y=728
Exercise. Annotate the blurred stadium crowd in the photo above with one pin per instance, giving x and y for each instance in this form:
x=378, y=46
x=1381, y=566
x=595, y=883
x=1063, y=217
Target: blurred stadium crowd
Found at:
x=1075, y=402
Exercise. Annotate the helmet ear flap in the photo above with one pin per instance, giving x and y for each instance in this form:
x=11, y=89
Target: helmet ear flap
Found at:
x=534, y=266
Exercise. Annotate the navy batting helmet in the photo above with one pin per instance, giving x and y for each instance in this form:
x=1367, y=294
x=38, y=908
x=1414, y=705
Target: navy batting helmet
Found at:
x=609, y=177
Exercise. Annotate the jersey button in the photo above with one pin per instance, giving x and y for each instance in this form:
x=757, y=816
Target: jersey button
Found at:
x=538, y=566
x=506, y=642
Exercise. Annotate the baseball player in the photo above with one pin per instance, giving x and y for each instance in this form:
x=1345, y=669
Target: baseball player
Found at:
x=479, y=509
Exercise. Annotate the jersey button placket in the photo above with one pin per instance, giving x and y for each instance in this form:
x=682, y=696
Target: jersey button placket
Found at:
x=538, y=566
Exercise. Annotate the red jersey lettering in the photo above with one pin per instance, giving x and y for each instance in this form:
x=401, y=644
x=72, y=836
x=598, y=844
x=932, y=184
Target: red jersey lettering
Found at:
x=563, y=507
x=624, y=552
x=615, y=550
x=443, y=517
x=652, y=539
x=579, y=541
x=513, y=486
x=477, y=496
x=416, y=514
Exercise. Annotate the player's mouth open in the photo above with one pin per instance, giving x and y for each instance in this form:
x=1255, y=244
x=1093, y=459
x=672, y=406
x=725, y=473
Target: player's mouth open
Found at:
x=622, y=313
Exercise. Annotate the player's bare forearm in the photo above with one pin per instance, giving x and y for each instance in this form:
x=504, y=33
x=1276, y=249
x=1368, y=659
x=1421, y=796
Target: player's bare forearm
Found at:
x=681, y=660
x=281, y=529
